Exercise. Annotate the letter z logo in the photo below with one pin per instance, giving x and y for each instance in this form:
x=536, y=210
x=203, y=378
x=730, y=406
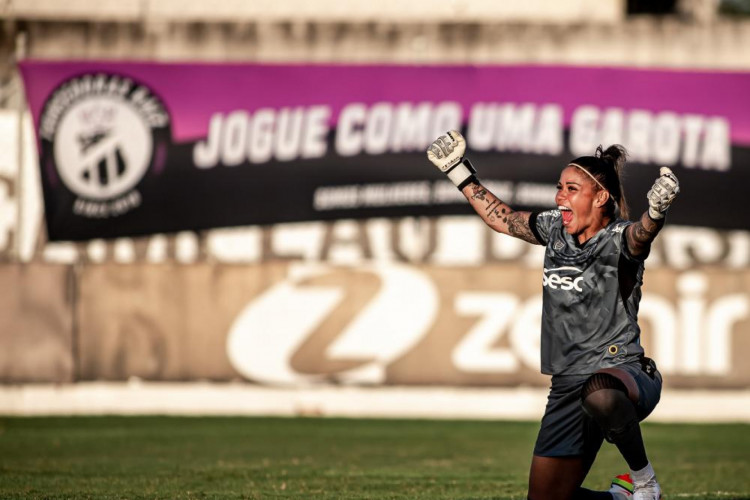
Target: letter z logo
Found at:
x=555, y=281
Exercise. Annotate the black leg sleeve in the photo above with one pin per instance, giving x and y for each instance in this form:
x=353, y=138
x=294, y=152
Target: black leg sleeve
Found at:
x=605, y=399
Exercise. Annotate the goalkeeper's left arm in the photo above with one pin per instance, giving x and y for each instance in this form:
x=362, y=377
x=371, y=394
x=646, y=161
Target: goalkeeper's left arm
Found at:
x=447, y=154
x=641, y=234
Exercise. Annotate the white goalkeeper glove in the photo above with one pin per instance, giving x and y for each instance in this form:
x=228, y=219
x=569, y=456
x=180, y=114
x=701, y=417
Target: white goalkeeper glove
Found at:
x=447, y=153
x=662, y=194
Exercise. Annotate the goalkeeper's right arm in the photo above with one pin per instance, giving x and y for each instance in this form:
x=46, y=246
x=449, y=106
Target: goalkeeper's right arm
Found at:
x=447, y=154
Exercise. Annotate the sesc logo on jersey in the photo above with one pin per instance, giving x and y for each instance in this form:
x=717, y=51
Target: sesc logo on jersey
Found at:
x=552, y=279
x=101, y=132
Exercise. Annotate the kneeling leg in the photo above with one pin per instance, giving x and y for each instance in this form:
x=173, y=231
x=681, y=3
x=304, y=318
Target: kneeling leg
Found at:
x=605, y=399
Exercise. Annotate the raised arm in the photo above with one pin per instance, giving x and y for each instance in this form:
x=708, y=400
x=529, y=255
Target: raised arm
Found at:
x=447, y=154
x=497, y=214
x=641, y=234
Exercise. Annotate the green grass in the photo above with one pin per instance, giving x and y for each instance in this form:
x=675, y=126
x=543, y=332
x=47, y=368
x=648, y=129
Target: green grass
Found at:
x=195, y=458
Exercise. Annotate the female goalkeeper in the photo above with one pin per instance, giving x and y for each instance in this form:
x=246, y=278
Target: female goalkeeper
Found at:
x=602, y=384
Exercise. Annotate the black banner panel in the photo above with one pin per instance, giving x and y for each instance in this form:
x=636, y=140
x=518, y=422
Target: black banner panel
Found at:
x=132, y=149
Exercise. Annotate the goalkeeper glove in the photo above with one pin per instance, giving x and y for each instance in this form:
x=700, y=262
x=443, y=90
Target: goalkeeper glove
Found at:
x=662, y=194
x=447, y=153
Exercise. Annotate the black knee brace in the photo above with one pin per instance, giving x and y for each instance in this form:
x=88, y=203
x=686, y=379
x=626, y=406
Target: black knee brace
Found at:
x=605, y=399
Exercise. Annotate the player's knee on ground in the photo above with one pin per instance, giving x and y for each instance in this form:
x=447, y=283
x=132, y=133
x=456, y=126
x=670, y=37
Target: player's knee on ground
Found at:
x=605, y=399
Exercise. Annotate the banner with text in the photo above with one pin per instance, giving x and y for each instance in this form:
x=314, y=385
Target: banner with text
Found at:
x=132, y=148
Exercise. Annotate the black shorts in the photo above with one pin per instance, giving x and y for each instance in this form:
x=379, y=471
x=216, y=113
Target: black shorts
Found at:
x=567, y=430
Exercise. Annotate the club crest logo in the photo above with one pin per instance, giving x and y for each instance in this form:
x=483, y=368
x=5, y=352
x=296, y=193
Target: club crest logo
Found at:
x=101, y=134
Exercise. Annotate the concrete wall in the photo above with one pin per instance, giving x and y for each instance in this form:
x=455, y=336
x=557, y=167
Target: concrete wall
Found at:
x=584, y=32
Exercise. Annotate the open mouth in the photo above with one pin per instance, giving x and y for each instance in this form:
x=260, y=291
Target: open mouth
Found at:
x=567, y=214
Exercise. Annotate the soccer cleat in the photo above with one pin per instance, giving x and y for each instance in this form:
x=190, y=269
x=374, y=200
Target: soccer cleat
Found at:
x=649, y=491
x=622, y=487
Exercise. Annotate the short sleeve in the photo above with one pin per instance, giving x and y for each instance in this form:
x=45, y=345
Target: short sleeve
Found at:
x=541, y=223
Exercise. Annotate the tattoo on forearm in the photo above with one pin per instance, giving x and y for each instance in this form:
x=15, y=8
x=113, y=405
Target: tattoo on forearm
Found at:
x=642, y=233
x=518, y=226
x=494, y=211
x=478, y=192
x=500, y=216
x=492, y=205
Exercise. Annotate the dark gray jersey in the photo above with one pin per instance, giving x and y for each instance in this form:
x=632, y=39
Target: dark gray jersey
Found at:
x=591, y=296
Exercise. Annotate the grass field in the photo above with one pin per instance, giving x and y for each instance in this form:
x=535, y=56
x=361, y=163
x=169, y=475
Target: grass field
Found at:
x=186, y=458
